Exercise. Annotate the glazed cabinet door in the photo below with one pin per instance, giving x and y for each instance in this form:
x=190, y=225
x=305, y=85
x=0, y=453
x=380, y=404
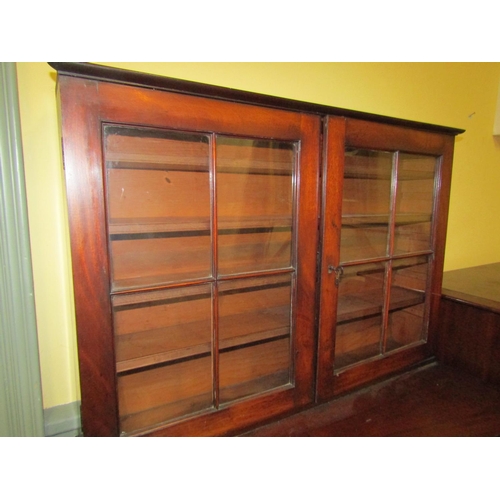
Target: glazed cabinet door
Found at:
x=385, y=197
x=194, y=241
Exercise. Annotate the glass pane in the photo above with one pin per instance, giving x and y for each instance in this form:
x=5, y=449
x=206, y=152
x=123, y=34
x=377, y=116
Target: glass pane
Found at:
x=254, y=204
x=359, y=314
x=254, y=336
x=163, y=345
x=158, y=204
x=414, y=203
x=365, y=204
x=408, y=306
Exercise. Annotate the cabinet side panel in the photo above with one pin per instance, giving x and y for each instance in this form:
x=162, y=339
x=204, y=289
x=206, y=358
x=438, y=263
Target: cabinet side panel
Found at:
x=439, y=237
x=82, y=161
x=469, y=339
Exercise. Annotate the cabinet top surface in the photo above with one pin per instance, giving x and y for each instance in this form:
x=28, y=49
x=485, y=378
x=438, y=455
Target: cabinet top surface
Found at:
x=478, y=285
x=105, y=73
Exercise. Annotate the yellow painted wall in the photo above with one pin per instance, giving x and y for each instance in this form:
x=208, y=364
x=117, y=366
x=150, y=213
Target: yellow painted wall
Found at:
x=461, y=95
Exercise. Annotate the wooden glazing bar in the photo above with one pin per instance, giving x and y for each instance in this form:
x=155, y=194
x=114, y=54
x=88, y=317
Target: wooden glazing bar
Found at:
x=215, y=259
x=390, y=250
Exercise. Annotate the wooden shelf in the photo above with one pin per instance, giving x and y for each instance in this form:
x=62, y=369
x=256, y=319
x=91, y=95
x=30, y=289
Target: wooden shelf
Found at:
x=277, y=380
x=363, y=173
x=158, y=225
x=157, y=153
x=152, y=281
x=371, y=168
x=368, y=352
x=144, y=349
x=240, y=378
x=361, y=354
x=357, y=220
x=241, y=267
x=239, y=158
x=357, y=306
x=134, y=423
x=253, y=370
x=152, y=225
x=147, y=349
x=254, y=169
x=140, y=422
x=151, y=153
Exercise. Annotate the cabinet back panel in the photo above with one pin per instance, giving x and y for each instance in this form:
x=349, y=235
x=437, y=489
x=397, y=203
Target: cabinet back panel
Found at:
x=136, y=148
x=168, y=309
x=251, y=370
x=139, y=194
x=405, y=327
x=170, y=386
x=148, y=262
x=248, y=252
x=254, y=195
x=357, y=341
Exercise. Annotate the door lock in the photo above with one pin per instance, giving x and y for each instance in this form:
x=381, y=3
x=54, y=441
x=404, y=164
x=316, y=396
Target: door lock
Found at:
x=339, y=271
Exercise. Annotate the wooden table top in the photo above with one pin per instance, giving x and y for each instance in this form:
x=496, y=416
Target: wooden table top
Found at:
x=478, y=285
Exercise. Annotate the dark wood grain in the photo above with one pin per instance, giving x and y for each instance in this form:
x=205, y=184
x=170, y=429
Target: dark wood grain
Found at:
x=86, y=106
x=469, y=321
x=93, y=97
x=332, y=184
x=376, y=369
x=385, y=136
x=381, y=137
x=469, y=339
x=108, y=74
x=232, y=419
x=479, y=285
x=82, y=157
x=434, y=400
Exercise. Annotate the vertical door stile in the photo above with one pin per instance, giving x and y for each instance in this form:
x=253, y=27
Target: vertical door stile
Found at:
x=294, y=227
x=431, y=271
x=215, y=289
x=297, y=172
x=332, y=182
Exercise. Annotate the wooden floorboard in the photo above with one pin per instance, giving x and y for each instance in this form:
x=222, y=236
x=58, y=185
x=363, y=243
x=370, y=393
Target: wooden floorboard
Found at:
x=434, y=400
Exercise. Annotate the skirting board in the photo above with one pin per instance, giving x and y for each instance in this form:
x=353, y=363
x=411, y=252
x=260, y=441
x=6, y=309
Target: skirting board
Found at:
x=63, y=420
